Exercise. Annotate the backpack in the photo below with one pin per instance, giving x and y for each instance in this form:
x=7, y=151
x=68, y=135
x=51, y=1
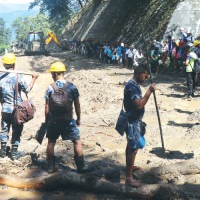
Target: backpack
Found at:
x=60, y=104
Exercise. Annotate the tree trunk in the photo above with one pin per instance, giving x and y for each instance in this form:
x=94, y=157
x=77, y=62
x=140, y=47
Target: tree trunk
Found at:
x=66, y=180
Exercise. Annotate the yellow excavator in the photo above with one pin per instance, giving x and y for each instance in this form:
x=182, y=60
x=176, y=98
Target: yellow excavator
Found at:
x=37, y=43
x=51, y=36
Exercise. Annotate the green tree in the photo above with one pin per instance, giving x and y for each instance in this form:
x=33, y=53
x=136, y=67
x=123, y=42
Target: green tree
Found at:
x=59, y=11
x=5, y=35
x=36, y=23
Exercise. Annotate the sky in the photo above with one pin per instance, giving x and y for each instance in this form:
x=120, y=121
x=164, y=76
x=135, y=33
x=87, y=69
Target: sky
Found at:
x=15, y=2
x=8, y=6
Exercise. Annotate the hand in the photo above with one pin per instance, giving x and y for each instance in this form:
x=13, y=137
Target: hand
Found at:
x=78, y=122
x=35, y=76
x=152, y=87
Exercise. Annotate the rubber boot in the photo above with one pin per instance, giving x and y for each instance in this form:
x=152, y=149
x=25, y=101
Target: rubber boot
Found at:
x=80, y=164
x=15, y=155
x=52, y=165
x=3, y=150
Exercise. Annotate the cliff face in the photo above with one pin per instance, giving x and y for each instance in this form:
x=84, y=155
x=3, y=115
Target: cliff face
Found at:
x=186, y=15
x=114, y=20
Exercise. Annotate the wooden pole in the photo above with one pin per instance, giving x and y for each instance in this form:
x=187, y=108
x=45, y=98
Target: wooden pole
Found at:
x=154, y=94
x=15, y=71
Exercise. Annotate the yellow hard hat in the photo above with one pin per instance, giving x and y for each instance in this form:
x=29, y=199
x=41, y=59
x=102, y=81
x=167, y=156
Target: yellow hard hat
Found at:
x=57, y=67
x=9, y=58
x=196, y=42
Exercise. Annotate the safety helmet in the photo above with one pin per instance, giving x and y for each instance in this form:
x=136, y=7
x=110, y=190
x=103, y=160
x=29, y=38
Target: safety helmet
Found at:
x=192, y=55
x=9, y=58
x=57, y=67
x=196, y=42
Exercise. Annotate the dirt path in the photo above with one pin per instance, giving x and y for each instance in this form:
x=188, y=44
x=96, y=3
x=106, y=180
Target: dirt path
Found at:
x=101, y=93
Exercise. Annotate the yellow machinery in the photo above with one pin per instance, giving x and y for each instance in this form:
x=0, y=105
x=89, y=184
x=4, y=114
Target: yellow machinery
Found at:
x=37, y=43
x=52, y=36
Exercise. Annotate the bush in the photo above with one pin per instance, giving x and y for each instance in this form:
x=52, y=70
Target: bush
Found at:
x=2, y=48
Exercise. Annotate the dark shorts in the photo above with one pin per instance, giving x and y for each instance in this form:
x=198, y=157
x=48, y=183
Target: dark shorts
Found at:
x=133, y=134
x=67, y=130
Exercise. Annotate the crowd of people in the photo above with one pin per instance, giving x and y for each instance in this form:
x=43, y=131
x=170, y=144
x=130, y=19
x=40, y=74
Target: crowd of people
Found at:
x=172, y=54
x=113, y=53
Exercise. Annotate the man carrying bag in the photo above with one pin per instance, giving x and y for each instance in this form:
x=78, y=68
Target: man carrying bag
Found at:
x=8, y=102
x=134, y=106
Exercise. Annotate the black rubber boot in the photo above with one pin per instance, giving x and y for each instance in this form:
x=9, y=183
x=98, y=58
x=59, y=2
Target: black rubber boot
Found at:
x=80, y=164
x=52, y=165
x=15, y=155
x=3, y=150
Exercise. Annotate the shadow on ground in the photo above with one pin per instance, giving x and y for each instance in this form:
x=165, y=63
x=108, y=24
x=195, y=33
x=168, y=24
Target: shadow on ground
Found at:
x=171, y=154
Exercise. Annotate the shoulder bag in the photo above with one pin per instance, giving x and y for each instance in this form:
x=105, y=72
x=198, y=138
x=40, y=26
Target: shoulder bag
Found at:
x=122, y=121
x=23, y=111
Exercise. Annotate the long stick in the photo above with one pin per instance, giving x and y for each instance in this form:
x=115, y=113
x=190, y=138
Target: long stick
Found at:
x=154, y=94
x=15, y=71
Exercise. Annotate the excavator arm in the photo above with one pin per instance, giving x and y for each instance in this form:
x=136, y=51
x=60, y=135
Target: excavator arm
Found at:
x=52, y=36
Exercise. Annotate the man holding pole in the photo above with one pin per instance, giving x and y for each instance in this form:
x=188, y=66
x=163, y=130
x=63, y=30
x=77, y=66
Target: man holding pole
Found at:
x=134, y=105
x=7, y=96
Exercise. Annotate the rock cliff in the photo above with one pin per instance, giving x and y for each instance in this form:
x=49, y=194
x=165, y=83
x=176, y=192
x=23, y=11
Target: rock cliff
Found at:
x=114, y=20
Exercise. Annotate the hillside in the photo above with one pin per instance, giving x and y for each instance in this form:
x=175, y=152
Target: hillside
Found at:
x=11, y=16
x=113, y=20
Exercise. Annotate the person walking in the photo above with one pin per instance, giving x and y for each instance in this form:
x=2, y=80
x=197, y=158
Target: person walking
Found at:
x=59, y=119
x=130, y=56
x=134, y=105
x=7, y=96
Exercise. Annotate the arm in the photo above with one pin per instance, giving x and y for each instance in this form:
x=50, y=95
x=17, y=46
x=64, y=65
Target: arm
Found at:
x=46, y=109
x=34, y=77
x=140, y=103
x=78, y=111
x=186, y=62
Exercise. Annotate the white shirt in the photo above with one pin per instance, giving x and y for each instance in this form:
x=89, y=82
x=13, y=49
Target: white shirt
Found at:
x=131, y=53
x=138, y=56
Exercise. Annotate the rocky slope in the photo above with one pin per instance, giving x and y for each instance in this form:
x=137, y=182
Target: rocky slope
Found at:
x=114, y=20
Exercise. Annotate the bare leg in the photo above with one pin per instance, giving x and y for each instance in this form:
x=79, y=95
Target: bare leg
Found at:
x=78, y=151
x=130, y=160
x=50, y=148
x=157, y=69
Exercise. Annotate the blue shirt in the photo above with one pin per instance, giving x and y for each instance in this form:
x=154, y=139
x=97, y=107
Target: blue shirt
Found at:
x=119, y=48
x=170, y=47
x=183, y=36
x=132, y=91
x=7, y=90
x=108, y=52
x=71, y=89
x=123, y=52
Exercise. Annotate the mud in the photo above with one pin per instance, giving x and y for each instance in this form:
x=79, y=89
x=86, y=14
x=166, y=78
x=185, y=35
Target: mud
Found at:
x=101, y=93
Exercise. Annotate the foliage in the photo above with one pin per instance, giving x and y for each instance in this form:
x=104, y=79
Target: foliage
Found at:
x=37, y=23
x=5, y=35
x=59, y=11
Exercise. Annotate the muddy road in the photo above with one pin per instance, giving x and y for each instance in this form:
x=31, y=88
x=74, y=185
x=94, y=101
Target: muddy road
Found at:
x=101, y=93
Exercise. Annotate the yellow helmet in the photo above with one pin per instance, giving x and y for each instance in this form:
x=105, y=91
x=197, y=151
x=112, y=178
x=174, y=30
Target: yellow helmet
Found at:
x=57, y=67
x=196, y=42
x=9, y=58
